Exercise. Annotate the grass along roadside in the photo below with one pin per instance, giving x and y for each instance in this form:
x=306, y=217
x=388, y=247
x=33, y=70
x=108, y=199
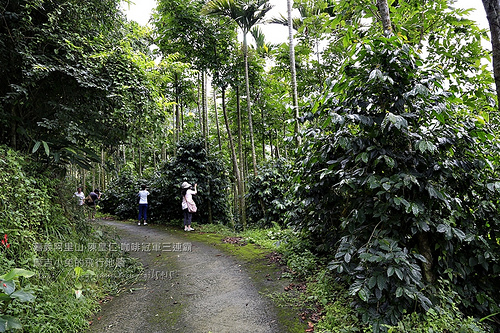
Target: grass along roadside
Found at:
x=79, y=269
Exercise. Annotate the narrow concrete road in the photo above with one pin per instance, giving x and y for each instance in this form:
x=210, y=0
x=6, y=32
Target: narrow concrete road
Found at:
x=188, y=287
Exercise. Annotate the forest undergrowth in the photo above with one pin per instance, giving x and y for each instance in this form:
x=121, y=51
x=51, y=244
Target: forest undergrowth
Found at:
x=76, y=263
x=51, y=253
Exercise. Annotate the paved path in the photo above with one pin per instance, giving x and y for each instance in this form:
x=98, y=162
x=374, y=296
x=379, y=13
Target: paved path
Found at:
x=194, y=289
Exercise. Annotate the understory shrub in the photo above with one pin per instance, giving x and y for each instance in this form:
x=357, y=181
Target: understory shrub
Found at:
x=266, y=198
x=338, y=315
x=44, y=231
x=193, y=164
x=400, y=188
x=120, y=198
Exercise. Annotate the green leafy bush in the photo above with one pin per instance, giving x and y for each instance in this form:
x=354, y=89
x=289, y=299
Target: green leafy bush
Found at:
x=192, y=163
x=270, y=238
x=120, y=198
x=266, y=197
x=9, y=293
x=339, y=315
x=303, y=264
x=399, y=187
x=444, y=317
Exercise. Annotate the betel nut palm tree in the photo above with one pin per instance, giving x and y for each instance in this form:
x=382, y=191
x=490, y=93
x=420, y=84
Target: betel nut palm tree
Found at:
x=246, y=14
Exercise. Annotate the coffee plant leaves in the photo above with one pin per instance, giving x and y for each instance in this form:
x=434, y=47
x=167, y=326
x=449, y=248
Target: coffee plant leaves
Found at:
x=396, y=186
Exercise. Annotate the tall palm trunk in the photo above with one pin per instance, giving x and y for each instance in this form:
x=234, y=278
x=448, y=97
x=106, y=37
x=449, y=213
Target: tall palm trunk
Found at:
x=237, y=173
x=204, y=108
x=246, y=13
x=240, y=135
x=199, y=103
x=492, y=8
x=177, y=111
x=293, y=71
x=217, y=119
x=249, y=108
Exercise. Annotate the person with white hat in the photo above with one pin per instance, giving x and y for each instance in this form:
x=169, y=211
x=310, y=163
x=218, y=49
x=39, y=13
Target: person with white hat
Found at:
x=188, y=204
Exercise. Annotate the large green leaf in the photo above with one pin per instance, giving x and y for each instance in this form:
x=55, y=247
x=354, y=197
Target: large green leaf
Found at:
x=9, y=322
x=15, y=272
x=23, y=296
x=7, y=286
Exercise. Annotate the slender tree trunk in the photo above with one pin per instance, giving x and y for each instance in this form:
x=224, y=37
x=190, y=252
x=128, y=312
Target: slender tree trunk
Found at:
x=271, y=144
x=240, y=135
x=177, y=111
x=174, y=131
x=217, y=119
x=262, y=116
x=492, y=8
x=204, y=108
x=249, y=108
x=237, y=174
x=181, y=107
x=236, y=201
x=424, y=247
x=133, y=150
x=140, y=161
x=383, y=8
x=285, y=148
x=198, y=104
x=84, y=180
x=210, y=212
x=13, y=129
x=293, y=72
x=103, y=171
x=277, y=145
x=154, y=158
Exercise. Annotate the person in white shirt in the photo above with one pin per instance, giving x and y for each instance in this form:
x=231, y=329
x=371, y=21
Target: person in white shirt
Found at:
x=143, y=204
x=79, y=194
x=188, y=204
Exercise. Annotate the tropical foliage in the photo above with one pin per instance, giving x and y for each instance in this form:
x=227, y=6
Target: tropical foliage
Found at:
x=267, y=200
x=66, y=85
x=398, y=188
x=46, y=233
x=192, y=164
x=380, y=174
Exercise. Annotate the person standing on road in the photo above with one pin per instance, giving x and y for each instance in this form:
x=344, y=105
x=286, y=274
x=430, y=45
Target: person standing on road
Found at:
x=188, y=204
x=80, y=196
x=143, y=204
x=95, y=196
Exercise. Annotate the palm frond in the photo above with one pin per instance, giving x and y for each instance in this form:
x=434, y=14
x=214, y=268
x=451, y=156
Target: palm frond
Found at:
x=246, y=13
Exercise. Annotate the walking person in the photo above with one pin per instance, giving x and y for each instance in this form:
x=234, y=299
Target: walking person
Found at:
x=92, y=203
x=188, y=204
x=143, y=205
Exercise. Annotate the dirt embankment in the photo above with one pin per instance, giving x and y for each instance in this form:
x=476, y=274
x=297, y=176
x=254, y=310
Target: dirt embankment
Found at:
x=190, y=286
